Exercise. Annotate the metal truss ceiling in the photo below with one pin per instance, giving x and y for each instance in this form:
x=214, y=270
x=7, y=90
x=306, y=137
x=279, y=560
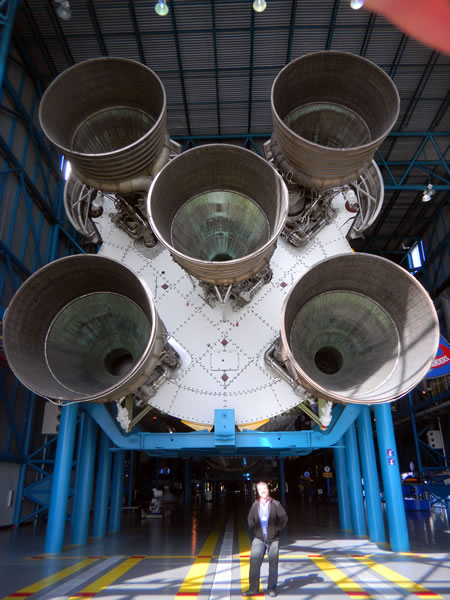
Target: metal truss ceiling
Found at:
x=218, y=58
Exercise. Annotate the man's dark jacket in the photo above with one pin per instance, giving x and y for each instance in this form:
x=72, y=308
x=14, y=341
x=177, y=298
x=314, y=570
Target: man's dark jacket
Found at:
x=277, y=521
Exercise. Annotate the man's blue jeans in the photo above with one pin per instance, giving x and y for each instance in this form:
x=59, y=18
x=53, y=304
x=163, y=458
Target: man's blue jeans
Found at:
x=256, y=557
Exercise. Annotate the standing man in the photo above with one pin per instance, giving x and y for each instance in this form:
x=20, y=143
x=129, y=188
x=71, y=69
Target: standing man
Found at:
x=266, y=519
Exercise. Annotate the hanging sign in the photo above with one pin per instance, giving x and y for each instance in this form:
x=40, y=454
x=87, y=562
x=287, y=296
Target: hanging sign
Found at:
x=441, y=364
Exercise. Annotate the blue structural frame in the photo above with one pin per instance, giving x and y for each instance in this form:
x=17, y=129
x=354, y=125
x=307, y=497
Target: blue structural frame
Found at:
x=47, y=232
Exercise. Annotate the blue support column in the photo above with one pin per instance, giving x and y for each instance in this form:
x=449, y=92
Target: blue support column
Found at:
x=345, y=513
x=61, y=480
x=102, y=487
x=414, y=429
x=83, y=494
x=118, y=481
x=393, y=494
x=187, y=482
x=131, y=478
x=354, y=480
x=370, y=476
x=282, y=481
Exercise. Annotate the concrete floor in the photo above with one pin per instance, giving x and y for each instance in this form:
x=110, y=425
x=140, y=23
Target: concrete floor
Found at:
x=203, y=553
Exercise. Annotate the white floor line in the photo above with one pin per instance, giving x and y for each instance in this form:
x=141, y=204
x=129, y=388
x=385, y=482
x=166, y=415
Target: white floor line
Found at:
x=221, y=586
x=63, y=592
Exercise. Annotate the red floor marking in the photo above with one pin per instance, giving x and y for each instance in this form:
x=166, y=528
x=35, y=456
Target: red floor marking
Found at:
x=204, y=556
x=21, y=594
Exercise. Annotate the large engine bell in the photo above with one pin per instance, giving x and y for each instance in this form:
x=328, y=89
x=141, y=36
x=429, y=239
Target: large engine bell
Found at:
x=358, y=328
x=331, y=111
x=83, y=327
x=219, y=209
x=108, y=117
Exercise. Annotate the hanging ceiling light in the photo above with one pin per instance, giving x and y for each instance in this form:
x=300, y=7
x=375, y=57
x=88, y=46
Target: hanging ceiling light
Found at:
x=428, y=193
x=161, y=8
x=63, y=9
x=259, y=5
x=356, y=4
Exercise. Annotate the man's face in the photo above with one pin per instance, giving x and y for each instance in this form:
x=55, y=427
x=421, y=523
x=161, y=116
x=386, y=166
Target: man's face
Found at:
x=263, y=491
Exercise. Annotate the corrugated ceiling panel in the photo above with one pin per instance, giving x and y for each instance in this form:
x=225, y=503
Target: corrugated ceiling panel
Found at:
x=311, y=13
x=306, y=41
x=172, y=85
x=203, y=119
x=197, y=50
x=416, y=53
x=277, y=15
x=345, y=42
x=58, y=57
x=200, y=88
x=383, y=45
x=160, y=52
x=407, y=79
x=113, y=17
x=261, y=118
x=176, y=121
x=262, y=84
x=270, y=49
x=234, y=87
x=423, y=114
x=85, y=49
x=233, y=14
x=126, y=47
x=192, y=15
x=234, y=117
x=233, y=49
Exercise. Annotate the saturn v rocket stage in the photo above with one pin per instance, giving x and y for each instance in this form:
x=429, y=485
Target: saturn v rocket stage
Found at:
x=290, y=324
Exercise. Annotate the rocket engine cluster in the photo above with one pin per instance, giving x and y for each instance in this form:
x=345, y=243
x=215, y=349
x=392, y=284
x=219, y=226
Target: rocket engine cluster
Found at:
x=353, y=327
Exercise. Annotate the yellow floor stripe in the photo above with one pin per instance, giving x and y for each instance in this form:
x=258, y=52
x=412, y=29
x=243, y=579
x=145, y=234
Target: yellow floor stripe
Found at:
x=398, y=579
x=244, y=562
x=50, y=580
x=347, y=585
x=193, y=582
x=100, y=584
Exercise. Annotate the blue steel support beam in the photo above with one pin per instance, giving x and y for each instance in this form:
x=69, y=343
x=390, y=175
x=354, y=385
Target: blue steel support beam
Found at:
x=131, y=478
x=354, y=481
x=291, y=30
x=332, y=26
x=83, y=494
x=250, y=74
x=345, y=515
x=216, y=64
x=102, y=487
x=282, y=481
x=61, y=480
x=118, y=481
x=370, y=475
x=395, y=506
x=180, y=68
x=8, y=10
x=279, y=443
x=137, y=33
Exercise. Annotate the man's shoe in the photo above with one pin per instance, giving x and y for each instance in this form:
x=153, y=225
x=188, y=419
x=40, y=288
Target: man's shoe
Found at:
x=272, y=593
x=249, y=593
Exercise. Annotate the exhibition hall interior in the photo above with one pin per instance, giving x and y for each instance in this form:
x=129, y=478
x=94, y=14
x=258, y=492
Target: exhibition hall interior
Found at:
x=224, y=299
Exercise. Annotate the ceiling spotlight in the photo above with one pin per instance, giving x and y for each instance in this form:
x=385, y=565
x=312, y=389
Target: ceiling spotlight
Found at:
x=428, y=193
x=63, y=10
x=356, y=4
x=161, y=8
x=259, y=5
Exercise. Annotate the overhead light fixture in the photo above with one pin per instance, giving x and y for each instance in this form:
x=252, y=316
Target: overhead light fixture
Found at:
x=63, y=9
x=259, y=5
x=161, y=8
x=356, y=4
x=428, y=193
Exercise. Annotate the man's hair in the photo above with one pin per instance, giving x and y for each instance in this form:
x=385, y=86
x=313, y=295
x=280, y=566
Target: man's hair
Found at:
x=262, y=483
